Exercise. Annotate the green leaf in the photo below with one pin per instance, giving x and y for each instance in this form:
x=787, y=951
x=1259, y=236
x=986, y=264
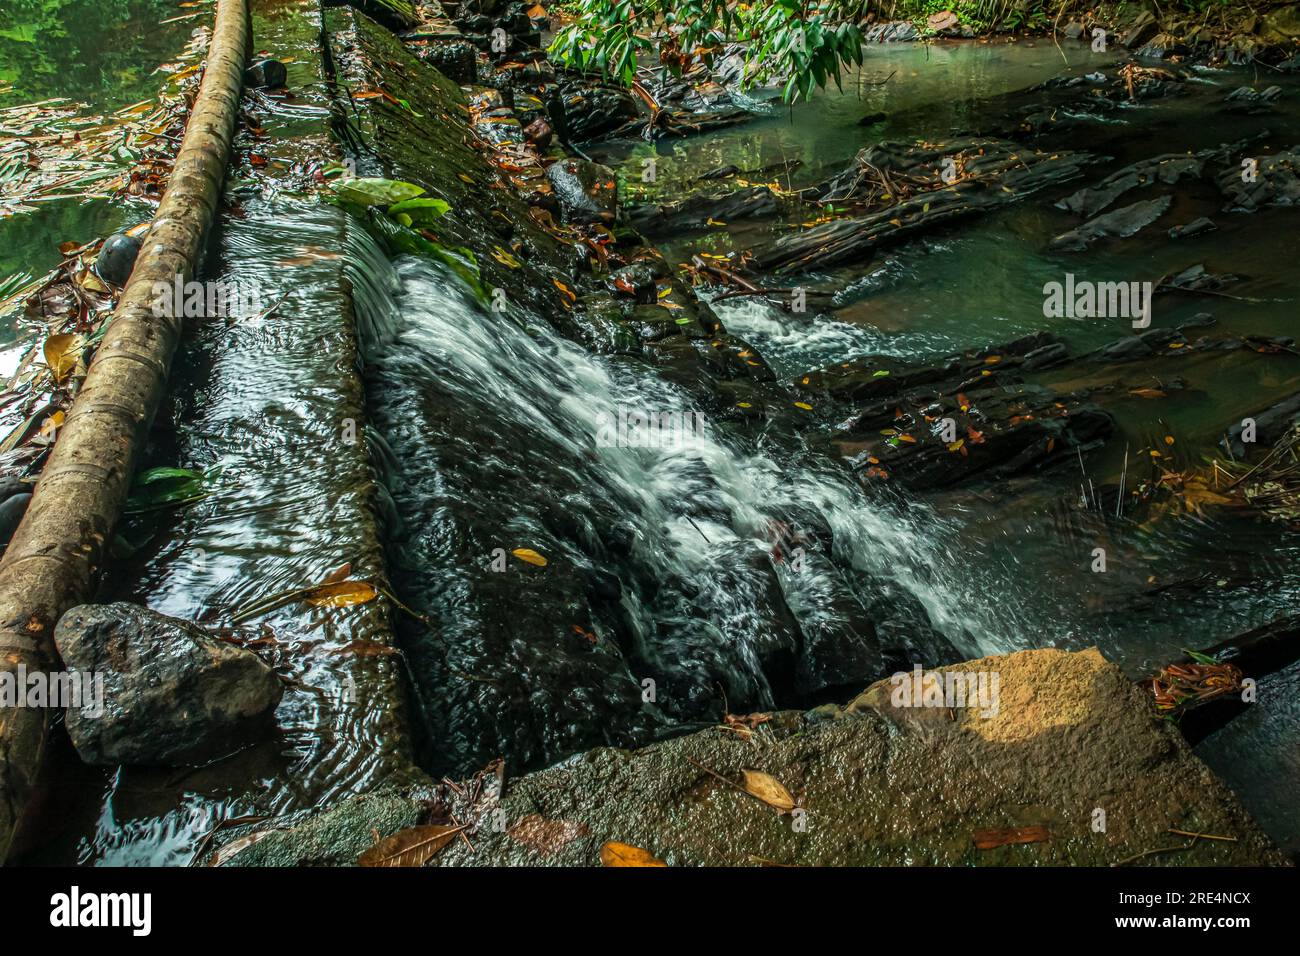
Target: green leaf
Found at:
x=420, y=211
x=368, y=191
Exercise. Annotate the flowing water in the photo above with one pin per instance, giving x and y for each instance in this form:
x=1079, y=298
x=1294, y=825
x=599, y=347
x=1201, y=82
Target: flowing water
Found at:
x=483, y=433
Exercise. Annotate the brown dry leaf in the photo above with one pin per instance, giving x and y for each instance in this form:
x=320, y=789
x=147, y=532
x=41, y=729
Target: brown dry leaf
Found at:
x=546, y=837
x=1146, y=393
x=768, y=789
x=61, y=354
x=988, y=839
x=1196, y=495
x=342, y=594
x=340, y=573
x=623, y=854
x=414, y=846
x=529, y=555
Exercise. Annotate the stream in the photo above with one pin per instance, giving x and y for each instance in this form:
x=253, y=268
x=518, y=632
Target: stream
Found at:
x=484, y=433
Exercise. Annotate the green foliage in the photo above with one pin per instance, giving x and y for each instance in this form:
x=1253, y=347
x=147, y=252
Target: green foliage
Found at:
x=803, y=43
x=808, y=44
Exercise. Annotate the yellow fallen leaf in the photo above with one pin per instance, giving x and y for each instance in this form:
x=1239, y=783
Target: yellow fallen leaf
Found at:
x=342, y=594
x=529, y=555
x=505, y=258
x=61, y=352
x=624, y=854
x=768, y=789
x=804, y=405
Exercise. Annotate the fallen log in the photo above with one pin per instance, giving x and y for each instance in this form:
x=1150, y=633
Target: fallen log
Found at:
x=55, y=556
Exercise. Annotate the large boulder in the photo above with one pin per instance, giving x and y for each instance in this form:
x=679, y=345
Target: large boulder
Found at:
x=173, y=694
x=1062, y=761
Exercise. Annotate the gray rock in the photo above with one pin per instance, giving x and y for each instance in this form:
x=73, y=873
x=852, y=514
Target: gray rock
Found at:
x=11, y=513
x=456, y=60
x=902, y=31
x=1121, y=223
x=1193, y=228
x=587, y=191
x=266, y=75
x=116, y=258
x=173, y=694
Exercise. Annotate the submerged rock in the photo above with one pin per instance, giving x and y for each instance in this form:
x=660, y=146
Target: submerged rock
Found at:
x=1272, y=181
x=1051, y=738
x=266, y=75
x=173, y=693
x=1119, y=224
x=1193, y=228
x=933, y=185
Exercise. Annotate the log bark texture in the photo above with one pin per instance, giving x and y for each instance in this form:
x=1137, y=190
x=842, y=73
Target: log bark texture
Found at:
x=55, y=556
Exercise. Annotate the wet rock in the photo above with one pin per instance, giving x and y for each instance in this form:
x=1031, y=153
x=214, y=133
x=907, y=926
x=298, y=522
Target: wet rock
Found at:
x=12, y=509
x=173, y=693
x=993, y=172
x=456, y=60
x=1194, y=228
x=1281, y=26
x=1167, y=169
x=266, y=75
x=1270, y=423
x=1048, y=356
x=539, y=133
x=970, y=416
x=1141, y=28
x=1197, y=279
x=397, y=15
x=1244, y=99
x=890, y=785
x=703, y=212
x=117, y=258
x=1119, y=224
x=1274, y=182
x=588, y=192
x=589, y=111
x=1141, y=346
x=1201, y=320
x=900, y=31
x=638, y=279
x=942, y=22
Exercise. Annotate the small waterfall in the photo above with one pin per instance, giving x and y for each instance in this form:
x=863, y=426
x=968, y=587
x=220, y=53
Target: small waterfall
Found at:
x=681, y=559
